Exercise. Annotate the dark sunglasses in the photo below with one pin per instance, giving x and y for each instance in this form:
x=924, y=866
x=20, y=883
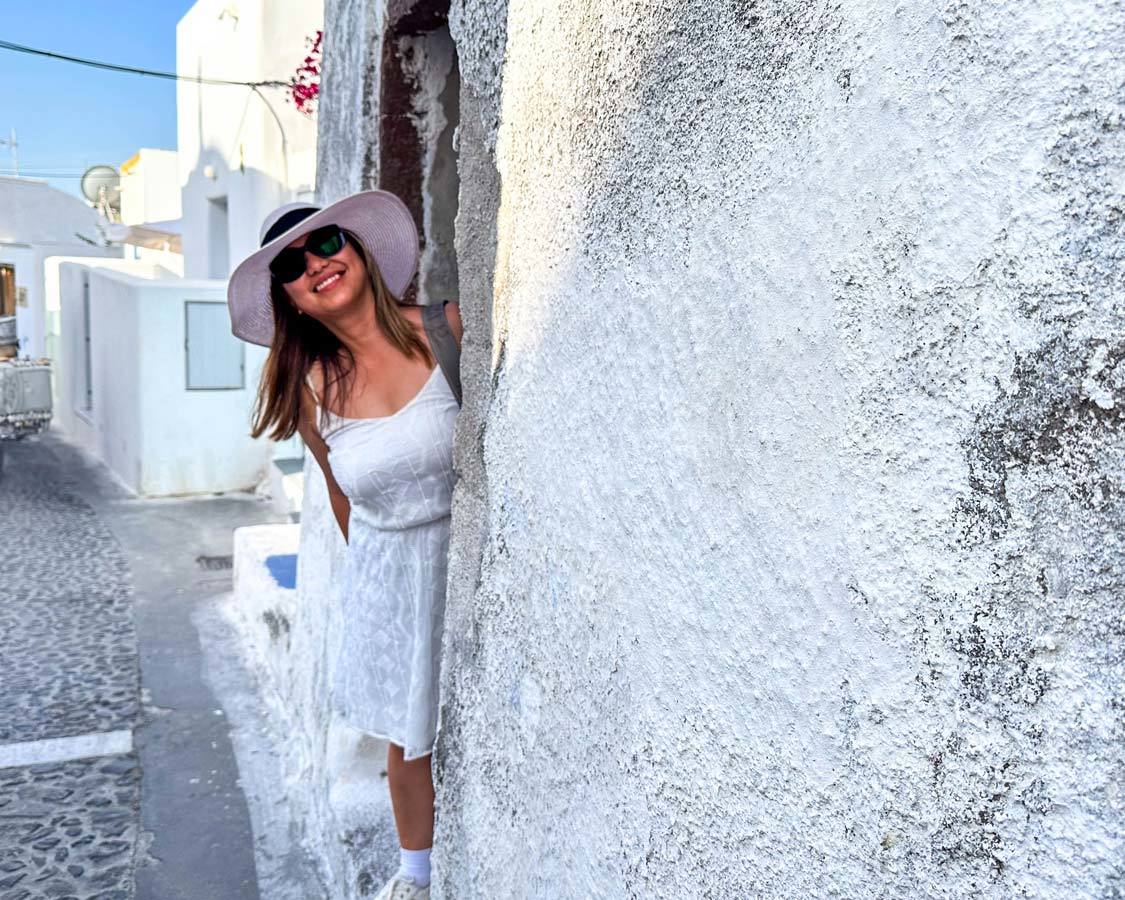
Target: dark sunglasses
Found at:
x=289, y=264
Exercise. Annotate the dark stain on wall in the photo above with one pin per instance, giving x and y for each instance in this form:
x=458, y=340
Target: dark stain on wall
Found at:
x=1046, y=507
x=1046, y=420
x=277, y=623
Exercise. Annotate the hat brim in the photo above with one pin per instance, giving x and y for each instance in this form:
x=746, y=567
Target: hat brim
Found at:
x=381, y=222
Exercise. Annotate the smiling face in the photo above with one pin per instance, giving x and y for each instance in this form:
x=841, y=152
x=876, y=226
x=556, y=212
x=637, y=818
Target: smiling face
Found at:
x=330, y=287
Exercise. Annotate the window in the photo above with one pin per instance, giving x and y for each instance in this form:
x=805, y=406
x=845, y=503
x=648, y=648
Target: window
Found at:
x=8, y=340
x=215, y=357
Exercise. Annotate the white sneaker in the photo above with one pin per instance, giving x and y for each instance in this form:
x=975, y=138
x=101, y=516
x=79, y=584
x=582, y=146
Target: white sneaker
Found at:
x=403, y=887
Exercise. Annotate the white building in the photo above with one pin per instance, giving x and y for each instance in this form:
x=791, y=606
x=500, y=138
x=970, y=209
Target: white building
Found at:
x=171, y=415
x=150, y=187
x=38, y=221
x=149, y=225
x=152, y=382
x=242, y=152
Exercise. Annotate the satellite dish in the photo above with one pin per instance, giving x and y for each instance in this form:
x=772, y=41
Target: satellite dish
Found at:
x=101, y=185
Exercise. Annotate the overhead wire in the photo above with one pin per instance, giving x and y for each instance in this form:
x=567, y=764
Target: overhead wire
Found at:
x=255, y=86
x=22, y=174
x=135, y=70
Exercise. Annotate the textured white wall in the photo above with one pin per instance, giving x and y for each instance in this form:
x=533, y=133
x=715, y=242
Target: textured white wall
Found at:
x=788, y=542
x=348, y=141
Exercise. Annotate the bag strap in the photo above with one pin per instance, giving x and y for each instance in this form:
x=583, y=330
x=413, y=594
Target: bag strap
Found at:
x=444, y=345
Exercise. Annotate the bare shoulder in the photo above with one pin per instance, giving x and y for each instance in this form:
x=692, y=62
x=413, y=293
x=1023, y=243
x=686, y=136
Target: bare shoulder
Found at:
x=412, y=311
x=453, y=316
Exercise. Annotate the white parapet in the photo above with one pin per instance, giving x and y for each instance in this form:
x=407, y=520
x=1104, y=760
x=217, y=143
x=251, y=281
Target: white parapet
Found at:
x=265, y=566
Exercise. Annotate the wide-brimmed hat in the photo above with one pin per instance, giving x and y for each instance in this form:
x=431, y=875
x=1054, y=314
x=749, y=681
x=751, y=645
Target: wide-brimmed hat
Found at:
x=381, y=221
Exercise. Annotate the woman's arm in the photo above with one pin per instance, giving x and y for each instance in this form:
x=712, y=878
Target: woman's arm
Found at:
x=453, y=316
x=310, y=434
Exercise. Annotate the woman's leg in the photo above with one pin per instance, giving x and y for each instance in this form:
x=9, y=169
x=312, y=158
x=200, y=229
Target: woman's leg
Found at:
x=412, y=796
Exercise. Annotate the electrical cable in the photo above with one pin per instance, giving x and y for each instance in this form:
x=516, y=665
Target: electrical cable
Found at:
x=133, y=70
x=61, y=169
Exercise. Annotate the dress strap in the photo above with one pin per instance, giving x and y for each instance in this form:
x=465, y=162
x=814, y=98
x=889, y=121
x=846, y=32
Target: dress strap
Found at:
x=312, y=388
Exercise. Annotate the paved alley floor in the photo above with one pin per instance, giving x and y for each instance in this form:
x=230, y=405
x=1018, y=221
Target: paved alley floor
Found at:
x=117, y=778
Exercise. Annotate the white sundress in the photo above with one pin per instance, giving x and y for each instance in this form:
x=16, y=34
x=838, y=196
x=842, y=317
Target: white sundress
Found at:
x=397, y=473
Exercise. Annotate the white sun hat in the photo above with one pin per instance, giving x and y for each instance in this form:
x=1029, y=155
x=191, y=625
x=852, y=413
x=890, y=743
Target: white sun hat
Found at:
x=381, y=221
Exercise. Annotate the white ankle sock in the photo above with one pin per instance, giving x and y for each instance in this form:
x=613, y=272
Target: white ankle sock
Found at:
x=416, y=864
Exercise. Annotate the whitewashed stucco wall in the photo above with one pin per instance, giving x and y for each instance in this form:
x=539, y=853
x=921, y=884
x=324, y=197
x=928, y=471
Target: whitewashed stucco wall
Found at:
x=150, y=187
x=787, y=555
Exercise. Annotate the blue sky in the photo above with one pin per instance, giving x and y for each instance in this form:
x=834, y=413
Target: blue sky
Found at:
x=68, y=117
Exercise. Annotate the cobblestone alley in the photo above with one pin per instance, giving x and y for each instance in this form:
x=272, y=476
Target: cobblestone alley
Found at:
x=117, y=775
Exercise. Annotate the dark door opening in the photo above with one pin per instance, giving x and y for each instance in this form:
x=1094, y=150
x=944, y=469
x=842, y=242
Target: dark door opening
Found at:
x=419, y=114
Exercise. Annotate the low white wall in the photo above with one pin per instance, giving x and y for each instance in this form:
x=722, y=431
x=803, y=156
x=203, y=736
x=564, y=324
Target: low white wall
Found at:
x=59, y=355
x=159, y=437
x=110, y=428
x=117, y=350
x=194, y=440
x=267, y=609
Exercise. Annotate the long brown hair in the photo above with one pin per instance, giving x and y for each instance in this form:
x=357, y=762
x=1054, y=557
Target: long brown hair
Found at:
x=299, y=341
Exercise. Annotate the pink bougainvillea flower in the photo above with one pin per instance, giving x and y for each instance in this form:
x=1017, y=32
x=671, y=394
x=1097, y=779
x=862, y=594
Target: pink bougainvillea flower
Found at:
x=304, y=89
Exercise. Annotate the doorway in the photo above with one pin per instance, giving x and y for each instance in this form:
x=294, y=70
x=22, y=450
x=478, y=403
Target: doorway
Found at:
x=9, y=342
x=218, y=238
x=7, y=290
x=419, y=113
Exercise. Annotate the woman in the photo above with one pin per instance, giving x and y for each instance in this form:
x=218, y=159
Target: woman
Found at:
x=371, y=385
